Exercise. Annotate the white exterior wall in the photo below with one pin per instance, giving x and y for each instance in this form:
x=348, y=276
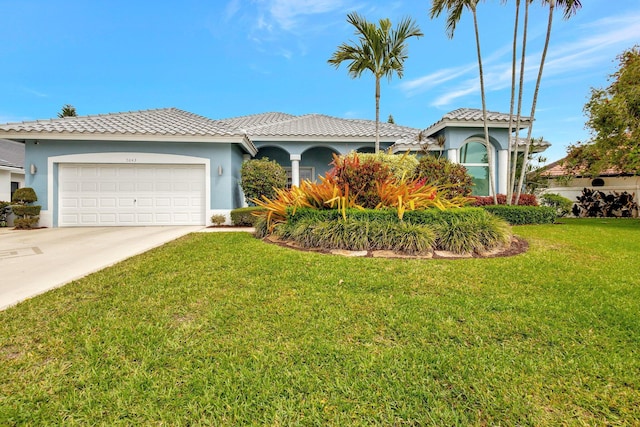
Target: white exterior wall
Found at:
x=630, y=184
x=7, y=176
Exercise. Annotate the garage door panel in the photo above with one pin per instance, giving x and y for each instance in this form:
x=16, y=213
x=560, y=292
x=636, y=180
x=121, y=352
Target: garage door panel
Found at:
x=137, y=194
x=126, y=186
x=106, y=187
x=108, y=219
x=89, y=218
x=108, y=202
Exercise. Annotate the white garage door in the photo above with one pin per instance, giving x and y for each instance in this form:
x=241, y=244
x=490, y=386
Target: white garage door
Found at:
x=130, y=194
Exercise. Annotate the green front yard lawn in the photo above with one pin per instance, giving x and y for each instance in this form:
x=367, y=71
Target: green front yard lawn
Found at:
x=223, y=329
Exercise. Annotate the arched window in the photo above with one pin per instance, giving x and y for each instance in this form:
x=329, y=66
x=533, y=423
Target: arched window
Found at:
x=473, y=156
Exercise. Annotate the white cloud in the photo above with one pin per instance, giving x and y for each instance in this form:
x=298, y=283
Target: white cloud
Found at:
x=35, y=92
x=421, y=84
x=467, y=88
x=287, y=13
x=232, y=9
x=595, y=45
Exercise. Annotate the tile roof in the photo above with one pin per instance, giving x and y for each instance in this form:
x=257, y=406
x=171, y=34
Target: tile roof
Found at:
x=11, y=154
x=319, y=125
x=473, y=116
x=558, y=169
x=159, y=122
x=245, y=122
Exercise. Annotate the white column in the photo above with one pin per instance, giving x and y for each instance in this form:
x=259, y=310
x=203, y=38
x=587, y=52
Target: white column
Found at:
x=452, y=155
x=503, y=159
x=246, y=157
x=295, y=169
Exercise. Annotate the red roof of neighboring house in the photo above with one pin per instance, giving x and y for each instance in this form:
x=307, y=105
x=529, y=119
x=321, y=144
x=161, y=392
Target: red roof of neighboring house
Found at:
x=557, y=169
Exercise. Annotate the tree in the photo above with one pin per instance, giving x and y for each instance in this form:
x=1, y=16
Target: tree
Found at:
x=379, y=49
x=391, y=119
x=613, y=117
x=569, y=8
x=455, y=9
x=68, y=110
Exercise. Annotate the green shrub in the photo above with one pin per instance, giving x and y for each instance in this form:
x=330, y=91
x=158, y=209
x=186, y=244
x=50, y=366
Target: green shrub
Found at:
x=442, y=172
x=473, y=234
x=26, y=216
x=24, y=210
x=244, y=217
x=464, y=230
x=25, y=223
x=398, y=165
x=24, y=195
x=5, y=209
x=359, y=235
x=562, y=205
x=520, y=215
x=260, y=177
x=218, y=219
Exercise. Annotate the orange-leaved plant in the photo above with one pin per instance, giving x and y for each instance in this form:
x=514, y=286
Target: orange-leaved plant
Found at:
x=404, y=194
x=327, y=194
x=334, y=192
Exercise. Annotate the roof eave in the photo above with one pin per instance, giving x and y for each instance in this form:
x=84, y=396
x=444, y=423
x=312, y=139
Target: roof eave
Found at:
x=15, y=169
x=66, y=136
x=437, y=127
x=293, y=138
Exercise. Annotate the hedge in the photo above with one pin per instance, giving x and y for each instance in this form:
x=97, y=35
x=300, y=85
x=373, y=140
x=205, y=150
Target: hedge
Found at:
x=424, y=216
x=520, y=215
x=244, y=216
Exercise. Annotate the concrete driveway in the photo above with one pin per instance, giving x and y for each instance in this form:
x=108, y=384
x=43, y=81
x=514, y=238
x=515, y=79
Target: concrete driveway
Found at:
x=35, y=261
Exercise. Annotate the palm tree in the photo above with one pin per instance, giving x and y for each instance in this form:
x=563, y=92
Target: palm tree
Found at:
x=68, y=110
x=380, y=50
x=455, y=9
x=570, y=8
x=514, y=138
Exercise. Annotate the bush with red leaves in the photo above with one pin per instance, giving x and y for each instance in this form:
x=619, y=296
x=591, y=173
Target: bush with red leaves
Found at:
x=525, y=200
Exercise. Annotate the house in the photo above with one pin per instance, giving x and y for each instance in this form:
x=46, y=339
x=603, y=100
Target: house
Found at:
x=169, y=166
x=569, y=184
x=460, y=134
x=11, y=168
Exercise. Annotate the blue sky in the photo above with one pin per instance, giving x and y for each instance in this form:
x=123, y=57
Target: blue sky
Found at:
x=229, y=58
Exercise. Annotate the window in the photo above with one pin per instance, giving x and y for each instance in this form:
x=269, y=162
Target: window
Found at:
x=473, y=156
x=306, y=173
x=14, y=187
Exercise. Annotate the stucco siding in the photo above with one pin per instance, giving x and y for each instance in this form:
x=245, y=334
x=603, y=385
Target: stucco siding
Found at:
x=218, y=157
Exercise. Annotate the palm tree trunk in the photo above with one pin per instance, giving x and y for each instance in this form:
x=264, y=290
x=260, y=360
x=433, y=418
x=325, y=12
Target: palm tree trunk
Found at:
x=514, y=160
x=552, y=4
x=484, y=111
x=513, y=98
x=377, y=146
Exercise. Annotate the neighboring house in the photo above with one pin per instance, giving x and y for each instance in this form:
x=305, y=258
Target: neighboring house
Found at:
x=168, y=166
x=11, y=168
x=570, y=184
